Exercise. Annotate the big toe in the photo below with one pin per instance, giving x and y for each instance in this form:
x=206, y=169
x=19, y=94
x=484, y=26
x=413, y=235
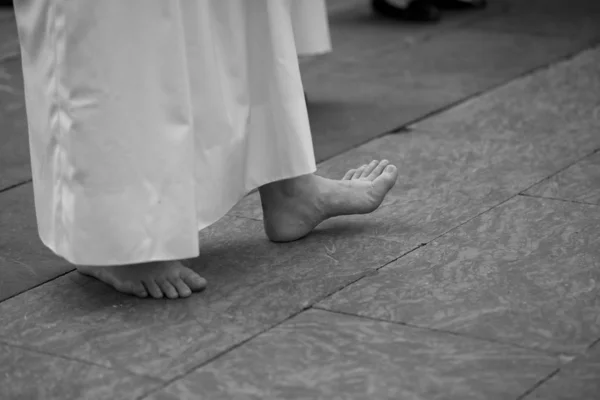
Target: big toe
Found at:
x=387, y=179
x=194, y=281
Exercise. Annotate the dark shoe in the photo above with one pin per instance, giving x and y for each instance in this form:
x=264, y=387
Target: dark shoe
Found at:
x=416, y=10
x=459, y=4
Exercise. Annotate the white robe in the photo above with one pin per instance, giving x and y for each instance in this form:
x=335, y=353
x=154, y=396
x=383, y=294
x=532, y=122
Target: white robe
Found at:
x=149, y=119
x=311, y=27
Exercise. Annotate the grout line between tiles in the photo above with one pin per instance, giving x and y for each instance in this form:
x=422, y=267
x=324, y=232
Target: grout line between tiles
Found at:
x=237, y=345
x=533, y=196
x=15, y=185
x=220, y=354
x=594, y=344
x=442, y=331
x=560, y=170
x=538, y=384
x=73, y=359
x=37, y=285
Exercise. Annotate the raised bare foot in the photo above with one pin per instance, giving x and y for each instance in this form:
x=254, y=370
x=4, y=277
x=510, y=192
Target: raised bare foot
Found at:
x=292, y=208
x=158, y=279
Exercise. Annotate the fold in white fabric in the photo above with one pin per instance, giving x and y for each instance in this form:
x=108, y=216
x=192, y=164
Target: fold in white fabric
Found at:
x=311, y=27
x=149, y=119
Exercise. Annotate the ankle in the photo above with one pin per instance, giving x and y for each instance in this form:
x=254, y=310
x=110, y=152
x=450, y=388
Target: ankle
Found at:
x=291, y=187
x=299, y=192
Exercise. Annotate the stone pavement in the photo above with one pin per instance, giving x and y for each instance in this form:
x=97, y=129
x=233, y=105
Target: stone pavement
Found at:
x=479, y=277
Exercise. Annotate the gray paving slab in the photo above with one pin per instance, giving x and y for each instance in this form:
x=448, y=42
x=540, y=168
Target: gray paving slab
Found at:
x=560, y=101
x=525, y=273
x=380, y=85
x=86, y=320
x=24, y=261
x=577, y=380
x=253, y=284
x=580, y=182
x=564, y=18
x=320, y=355
x=9, y=39
x=14, y=141
x=27, y=375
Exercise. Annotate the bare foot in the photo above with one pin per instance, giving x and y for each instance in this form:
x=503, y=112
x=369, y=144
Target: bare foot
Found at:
x=158, y=279
x=292, y=208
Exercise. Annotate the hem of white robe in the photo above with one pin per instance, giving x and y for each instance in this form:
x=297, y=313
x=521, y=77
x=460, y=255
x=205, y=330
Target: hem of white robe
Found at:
x=160, y=256
x=312, y=54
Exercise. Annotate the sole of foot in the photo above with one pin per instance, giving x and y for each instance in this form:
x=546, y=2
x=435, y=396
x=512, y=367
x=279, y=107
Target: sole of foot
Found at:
x=292, y=208
x=170, y=279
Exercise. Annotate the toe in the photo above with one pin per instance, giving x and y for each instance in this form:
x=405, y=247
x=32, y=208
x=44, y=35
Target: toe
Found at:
x=358, y=172
x=379, y=168
x=139, y=290
x=194, y=281
x=367, y=171
x=349, y=175
x=182, y=289
x=168, y=289
x=153, y=289
x=387, y=179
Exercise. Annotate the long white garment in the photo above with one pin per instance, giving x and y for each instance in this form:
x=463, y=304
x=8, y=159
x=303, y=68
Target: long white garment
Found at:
x=311, y=27
x=149, y=119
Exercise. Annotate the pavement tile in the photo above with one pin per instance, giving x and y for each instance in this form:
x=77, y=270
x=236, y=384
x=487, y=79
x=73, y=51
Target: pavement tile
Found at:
x=255, y=279
x=321, y=355
x=565, y=18
x=580, y=182
x=24, y=261
x=253, y=284
x=9, y=39
x=577, y=380
x=526, y=273
x=86, y=320
x=27, y=375
x=14, y=140
x=560, y=101
x=380, y=85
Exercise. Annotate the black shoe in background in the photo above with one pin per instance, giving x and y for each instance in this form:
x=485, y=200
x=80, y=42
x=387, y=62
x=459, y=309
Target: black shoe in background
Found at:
x=416, y=10
x=459, y=4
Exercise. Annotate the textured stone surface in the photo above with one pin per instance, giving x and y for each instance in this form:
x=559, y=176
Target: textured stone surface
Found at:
x=29, y=375
x=527, y=273
x=577, y=380
x=9, y=40
x=565, y=18
x=580, y=182
x=559, y=102
x=253, y=284
x=24, y=261
x=86, y=320
x=14, y=145
x=356, y=96
x=319, y=355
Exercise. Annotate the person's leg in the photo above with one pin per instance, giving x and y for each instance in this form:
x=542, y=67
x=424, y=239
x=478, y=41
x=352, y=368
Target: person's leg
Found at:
x=110, y=135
